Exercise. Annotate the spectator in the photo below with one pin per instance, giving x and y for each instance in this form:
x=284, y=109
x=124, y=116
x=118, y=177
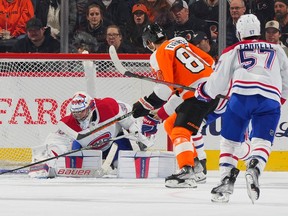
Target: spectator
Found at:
x=84, y=42
x=48, y=11
x=38, y=39
x=135, y=27
x=207, y=10
x=237, y=8
x=281, y=15
x=183, y=22
x=117, y=11
x=273, y=34
x=13, y=17
x=114, y=37
x=159, y=12
x=95, y=23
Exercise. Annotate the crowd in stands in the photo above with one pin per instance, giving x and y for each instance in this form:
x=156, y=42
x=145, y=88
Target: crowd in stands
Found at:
x=94, y=25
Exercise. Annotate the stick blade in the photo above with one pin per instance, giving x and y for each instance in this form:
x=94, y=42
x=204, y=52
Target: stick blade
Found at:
x=115, y=59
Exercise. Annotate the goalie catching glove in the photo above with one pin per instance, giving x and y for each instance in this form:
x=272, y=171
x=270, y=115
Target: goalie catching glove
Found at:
x=142, y=141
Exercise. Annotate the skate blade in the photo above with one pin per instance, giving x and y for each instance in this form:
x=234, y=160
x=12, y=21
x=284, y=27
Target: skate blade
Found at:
x=188, y=183
x=220, y=197
x=252, y=191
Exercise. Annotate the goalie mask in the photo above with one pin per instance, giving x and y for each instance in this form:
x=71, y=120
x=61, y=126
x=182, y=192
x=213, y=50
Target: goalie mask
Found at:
x=81, y=106
x=152, y=33
x=248, y=25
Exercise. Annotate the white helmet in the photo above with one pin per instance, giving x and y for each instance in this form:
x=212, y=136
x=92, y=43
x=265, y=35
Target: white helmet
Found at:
x=80, y=101
x=247, y=25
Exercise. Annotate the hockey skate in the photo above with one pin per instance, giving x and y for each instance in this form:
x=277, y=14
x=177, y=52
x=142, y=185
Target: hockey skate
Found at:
x=184, y=179
x=221, y=193
x=203, y=163
x=252, y=183
x=200, y=176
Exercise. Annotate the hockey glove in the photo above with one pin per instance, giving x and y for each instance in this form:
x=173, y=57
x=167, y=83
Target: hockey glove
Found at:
x=149, y=126
x=141, y=108
x=201, y=95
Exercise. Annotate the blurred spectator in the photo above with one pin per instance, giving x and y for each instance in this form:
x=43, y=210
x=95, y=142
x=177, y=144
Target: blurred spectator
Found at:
x=237, y=8
x=273, y=34
x=48, y=11
x=135, y=27
x=84, y=42
x=208, y=10
x=114, y=37
x=117, y=11
x=183, y=22
x=158, y=11
x=281, y=15
x=13, y=17
x=263, y=9
x=205, y=9
x=95, y=23
x=81, y=6
x=38, y=39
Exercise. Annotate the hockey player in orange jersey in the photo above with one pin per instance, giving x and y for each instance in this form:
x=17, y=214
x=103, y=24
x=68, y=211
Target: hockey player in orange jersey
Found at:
x=180, y=62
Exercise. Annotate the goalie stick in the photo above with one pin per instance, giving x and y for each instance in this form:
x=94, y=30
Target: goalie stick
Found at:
x=109, y=156
x=115, y=59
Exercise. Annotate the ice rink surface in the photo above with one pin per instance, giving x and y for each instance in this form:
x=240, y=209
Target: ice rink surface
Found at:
x=22, y=196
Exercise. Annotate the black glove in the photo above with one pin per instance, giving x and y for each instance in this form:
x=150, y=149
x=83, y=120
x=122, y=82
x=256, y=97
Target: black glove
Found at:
x=141, y=108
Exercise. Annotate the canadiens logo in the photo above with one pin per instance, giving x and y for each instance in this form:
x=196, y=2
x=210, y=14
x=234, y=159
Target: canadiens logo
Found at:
x=101, y=140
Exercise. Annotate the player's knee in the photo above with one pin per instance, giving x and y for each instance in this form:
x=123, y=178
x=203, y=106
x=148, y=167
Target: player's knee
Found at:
x=180, y=132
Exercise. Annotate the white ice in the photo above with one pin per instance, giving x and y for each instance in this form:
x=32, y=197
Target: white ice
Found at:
x=22, y=196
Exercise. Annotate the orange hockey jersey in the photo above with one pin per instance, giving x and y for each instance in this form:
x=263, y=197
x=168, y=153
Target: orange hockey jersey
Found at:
x=180, y=62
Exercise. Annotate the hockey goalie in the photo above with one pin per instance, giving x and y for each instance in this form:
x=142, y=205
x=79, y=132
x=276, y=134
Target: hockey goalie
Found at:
x=88, y=113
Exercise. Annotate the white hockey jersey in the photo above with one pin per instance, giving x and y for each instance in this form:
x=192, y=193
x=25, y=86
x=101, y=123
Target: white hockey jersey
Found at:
x=254, y=67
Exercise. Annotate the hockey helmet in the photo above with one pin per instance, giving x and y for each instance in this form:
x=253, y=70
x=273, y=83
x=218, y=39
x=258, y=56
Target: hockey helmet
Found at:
x=152, y=33
x=80, y=101
x=247, y=25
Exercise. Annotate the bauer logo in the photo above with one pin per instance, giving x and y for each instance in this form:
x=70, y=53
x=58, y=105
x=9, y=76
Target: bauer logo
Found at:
x=142, y=167
x=74, y=172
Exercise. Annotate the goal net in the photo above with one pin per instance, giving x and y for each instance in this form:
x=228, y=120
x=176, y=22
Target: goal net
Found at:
x=36, y=90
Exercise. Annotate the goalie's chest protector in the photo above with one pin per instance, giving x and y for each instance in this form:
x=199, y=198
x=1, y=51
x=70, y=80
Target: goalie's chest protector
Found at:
x=107, y=109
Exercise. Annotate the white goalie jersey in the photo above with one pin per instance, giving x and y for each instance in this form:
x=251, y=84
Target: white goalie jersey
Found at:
x=104, y=111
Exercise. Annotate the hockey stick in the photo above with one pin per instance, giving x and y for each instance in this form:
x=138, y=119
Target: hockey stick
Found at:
x=92, y=131
x=105, y=166
x=64, y=154
x=124, y=71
